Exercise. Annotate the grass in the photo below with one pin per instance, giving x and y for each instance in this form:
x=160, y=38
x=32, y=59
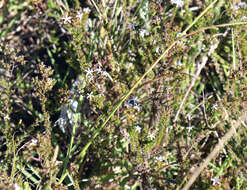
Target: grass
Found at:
x=123, y=95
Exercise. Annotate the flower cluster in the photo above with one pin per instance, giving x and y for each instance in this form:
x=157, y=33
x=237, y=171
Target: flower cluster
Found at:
x=133, y=103
x=67, y=19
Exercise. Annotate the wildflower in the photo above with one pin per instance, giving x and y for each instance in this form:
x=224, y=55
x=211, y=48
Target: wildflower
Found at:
x=159, y=158
x=33, y=142
x=214, y=106
x=151, y=136
x=215, y=181
x=157, y=49
x=142, y=33
x=190, y=128
x=79, y=15
x=179, y=34
x=178, y=3
x=90, y=78
x=99, y=70
x=101, y=94
x=134, y=100
x=137, y=106
x=90, y=95
x=128, y=104
x=89, y=72
x=179, y=63
x=67, y=19
x=133, y=103
x=133, y=25
x=138, y=128
x=6, y=117
x=86, y=10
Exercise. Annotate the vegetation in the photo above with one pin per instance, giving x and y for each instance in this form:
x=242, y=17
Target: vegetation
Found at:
x=123, y=94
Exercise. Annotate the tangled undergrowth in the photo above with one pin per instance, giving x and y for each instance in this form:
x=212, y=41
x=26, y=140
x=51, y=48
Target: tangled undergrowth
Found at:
x=123, y=94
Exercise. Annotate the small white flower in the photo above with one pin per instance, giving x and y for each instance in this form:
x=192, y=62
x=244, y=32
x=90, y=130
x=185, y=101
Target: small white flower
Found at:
x=99, y=70
x=67, y=19
x=138, y=128
x=86, y=10
x=159, y=158
x=89, y=71
x=215, y=106
x=157, y=49
x=178, y=3
x=33, y=142
x=90, y=78
x=90, y=95
x=151, y=136
x=215, y=181
x=190, y=128
x=142, y=33
x=137, y=106
x=179, y=34
x=79, y=15
x=101, y=94
x=6, y=117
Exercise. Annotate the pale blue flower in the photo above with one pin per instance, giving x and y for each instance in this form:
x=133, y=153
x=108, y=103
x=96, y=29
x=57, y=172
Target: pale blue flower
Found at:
x=215, y=181
x=160, y=158
x=138, y=128
x=133, y=25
